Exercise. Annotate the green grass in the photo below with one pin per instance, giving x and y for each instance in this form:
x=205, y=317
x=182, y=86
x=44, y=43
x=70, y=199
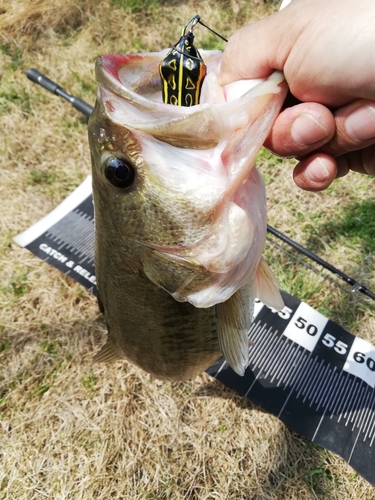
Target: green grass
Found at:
x=10, y=98
x=18, y=286
x=42, y=389
x=14, y=54
x=136, y=6
x=353, y=226
x=211, y=42
x=89, y=382
x=87, y=85
x=319, y=479
x=42, y=177
x=4, y=344
x=49, y=346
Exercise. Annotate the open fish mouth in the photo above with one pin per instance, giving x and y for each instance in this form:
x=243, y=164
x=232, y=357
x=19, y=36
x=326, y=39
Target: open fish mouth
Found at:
x=131, y=89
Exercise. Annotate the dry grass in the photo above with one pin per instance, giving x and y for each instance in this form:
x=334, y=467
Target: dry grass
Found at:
x=70, y=429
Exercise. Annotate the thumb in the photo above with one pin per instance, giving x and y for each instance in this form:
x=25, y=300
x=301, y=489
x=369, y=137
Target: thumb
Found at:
x=256, y=50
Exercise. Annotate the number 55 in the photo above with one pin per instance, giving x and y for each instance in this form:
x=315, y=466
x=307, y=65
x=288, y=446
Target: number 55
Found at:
x=330, y=341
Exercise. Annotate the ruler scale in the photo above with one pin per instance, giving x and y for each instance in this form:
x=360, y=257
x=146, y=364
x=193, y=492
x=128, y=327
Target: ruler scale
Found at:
x=322, y=395
x=305, y=369
x=65, y=238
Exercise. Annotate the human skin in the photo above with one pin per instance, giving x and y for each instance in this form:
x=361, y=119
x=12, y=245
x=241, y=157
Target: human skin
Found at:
x=326, y=50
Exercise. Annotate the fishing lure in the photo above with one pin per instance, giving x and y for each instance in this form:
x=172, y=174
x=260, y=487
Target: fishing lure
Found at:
x=182, y=71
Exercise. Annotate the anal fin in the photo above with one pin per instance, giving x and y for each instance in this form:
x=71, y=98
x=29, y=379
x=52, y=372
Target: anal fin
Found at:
x=234, y=318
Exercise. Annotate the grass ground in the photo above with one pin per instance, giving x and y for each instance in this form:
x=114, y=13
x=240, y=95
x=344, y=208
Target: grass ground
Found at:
x=70, y=429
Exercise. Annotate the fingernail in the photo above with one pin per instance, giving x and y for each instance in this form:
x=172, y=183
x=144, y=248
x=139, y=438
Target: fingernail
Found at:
x=360, y=124
x=307, y=130
x=316, y=171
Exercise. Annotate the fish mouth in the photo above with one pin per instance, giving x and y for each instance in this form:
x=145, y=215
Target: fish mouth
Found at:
x=130, y=89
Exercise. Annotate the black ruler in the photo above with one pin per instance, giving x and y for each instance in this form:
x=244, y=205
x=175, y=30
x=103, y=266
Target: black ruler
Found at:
x=315, y=377
x=312, y=374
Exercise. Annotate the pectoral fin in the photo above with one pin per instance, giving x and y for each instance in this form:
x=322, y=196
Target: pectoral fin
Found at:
x=169, y=272
x=234, y=318
x=268, y=287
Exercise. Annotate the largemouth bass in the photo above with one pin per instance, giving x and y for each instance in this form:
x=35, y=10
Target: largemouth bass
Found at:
x=180, y=215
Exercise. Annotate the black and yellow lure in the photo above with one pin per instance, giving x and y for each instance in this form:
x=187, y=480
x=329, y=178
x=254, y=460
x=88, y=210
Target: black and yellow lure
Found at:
x=182, y=71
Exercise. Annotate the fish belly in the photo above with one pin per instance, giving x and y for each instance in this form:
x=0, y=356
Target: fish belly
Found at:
x=170, y=340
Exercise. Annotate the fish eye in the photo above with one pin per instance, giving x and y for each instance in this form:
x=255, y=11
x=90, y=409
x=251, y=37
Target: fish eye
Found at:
x=119, y=172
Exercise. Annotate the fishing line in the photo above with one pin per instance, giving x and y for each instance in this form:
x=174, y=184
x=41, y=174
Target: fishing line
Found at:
x=213, y=31
x=198, y=20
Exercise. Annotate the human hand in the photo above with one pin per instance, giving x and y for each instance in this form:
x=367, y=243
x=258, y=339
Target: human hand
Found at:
x=325, y=48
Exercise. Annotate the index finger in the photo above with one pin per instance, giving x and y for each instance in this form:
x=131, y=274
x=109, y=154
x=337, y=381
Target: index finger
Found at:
x=246, y=55
x=258, y=49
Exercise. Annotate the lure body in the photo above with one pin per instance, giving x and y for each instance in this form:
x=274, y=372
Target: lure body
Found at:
x=182, y=72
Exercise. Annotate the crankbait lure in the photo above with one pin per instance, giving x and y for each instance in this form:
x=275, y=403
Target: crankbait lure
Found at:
x=182, y=71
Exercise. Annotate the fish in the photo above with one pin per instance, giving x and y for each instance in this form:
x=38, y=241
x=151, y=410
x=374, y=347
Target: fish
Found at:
x=180, y=215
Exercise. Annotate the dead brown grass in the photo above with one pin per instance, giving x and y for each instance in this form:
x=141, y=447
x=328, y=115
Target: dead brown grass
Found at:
x=70, y=429
x=34, y=17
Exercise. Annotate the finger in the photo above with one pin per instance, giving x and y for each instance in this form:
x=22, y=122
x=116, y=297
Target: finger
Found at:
x=252, y=51
x=316, y=172
x=355, y=128
x=362, y=161
x=301, y=129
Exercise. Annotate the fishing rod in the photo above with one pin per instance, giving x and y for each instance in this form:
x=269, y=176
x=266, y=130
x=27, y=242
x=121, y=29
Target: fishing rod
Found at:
x=356, y=287
x=35, y=76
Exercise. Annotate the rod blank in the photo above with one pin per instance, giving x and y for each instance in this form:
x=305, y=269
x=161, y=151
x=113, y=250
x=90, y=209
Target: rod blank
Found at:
x=35, y=76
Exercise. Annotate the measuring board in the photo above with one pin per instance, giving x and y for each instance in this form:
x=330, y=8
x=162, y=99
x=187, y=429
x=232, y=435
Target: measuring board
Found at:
x=312, y=374
x=65, y=238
